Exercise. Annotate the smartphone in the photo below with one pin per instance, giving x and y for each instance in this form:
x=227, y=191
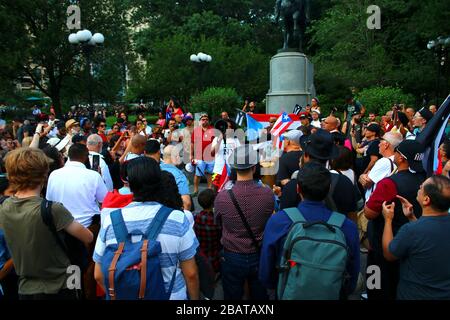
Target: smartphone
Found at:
x=95, y=162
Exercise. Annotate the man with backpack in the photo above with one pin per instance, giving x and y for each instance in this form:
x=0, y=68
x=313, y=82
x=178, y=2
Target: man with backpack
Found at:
x=146, y=250
x=343, y=196
x=310, y=252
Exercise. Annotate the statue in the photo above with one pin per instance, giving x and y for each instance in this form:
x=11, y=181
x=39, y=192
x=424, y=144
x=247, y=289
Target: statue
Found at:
x=295, y=15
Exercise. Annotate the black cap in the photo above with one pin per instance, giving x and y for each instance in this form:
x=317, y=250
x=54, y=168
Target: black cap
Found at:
x=243, y=157
x=320, y=145
x=78, y=138
x=412, y=151
x=152, y=146
x=374, y=128
x=426, y=114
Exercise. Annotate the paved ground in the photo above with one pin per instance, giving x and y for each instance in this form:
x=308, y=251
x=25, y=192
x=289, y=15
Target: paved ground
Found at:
x=218, y=294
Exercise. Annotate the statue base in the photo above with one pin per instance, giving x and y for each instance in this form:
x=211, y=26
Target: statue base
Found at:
x=291, y=82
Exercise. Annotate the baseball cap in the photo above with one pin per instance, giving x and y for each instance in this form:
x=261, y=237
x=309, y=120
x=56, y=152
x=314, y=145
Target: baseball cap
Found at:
x=303, y=115
x=293, y=135
x=204, y=114
x=316, y=111
x=374, y=128
x=426, y=114
x=412, y=151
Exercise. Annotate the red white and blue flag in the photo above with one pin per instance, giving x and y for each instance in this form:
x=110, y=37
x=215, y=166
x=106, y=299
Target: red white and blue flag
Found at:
x=281, y=125
x=256, y=122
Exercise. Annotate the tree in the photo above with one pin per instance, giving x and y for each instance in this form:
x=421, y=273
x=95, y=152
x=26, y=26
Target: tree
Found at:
x=34, y=33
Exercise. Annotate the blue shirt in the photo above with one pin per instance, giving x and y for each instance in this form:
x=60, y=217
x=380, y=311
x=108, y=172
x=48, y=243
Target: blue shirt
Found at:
x=180, y=178
x=423, y=247
x=4, y=253
x=277, y=229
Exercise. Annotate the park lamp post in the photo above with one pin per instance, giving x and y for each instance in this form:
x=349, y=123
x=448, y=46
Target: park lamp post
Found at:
x=86, y=42
x=440, y=48
x=201, y=60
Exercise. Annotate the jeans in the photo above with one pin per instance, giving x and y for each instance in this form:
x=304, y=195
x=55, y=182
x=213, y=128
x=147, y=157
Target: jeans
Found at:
x=236, y=269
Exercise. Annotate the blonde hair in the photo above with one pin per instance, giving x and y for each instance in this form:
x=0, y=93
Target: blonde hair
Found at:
x=27, y=168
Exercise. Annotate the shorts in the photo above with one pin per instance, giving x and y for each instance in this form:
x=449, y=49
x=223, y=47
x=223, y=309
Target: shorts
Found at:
x=203, y=168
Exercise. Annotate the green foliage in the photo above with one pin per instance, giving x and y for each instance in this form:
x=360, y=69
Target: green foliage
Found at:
x=170, y=72
x=215, y=100
x=381, y=99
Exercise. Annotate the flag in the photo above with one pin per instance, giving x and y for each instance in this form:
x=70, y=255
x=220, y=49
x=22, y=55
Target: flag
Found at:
x=260, y=121
x=281, y=125
x=240, y=117
x=224, y=177
x=168, y=116
x=253, y=127
x=432, y=136
x=297, y=109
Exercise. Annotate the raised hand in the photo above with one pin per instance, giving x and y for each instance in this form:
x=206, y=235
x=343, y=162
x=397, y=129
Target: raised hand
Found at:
x=388, y=211
x=407, y=207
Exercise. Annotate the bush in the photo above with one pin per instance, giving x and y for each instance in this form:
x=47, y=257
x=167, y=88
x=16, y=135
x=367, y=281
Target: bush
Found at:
x=381, y=99
x=215, y=100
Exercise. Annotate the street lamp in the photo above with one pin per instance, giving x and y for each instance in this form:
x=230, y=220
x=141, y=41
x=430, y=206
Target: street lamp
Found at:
x=86, y=42
x=201, y=60
x=440, y=47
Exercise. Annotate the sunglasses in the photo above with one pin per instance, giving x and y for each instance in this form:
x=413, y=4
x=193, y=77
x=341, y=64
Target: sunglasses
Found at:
x=102, y=126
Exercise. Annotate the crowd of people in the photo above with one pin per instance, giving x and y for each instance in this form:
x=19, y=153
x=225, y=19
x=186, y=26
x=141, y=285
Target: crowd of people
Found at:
x=117, y=203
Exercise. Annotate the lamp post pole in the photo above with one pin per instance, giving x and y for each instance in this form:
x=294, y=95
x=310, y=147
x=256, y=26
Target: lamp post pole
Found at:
x=201, y=60
x=86, y=43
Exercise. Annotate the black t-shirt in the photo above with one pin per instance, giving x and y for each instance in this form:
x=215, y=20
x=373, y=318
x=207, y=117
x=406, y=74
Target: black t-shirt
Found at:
x=372, y=150
x=289, y=163
x=344, y=196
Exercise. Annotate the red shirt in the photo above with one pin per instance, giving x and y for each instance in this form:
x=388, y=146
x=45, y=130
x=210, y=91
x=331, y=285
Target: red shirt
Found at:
x=104, y=138
x=386, y=190
x=207, y=137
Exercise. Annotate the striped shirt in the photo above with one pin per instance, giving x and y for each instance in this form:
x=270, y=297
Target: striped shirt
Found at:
x=177, y=238
x=257, y=204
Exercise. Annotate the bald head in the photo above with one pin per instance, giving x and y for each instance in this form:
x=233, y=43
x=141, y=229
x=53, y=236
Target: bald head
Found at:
x=94, y=143
x=330, y=123
x=138, y=144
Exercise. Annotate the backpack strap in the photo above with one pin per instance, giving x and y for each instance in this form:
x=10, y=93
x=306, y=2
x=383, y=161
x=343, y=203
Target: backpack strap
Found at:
x=158, y=221
x=294, y=214
x=119, y=227
x=337, y=219
x=47, y=218
x=329, y=201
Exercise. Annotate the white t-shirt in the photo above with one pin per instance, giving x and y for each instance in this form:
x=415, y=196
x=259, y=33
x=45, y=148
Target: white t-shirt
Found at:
x=348, y=173
x=316, y=123
x=383, y=168
x=219, y=160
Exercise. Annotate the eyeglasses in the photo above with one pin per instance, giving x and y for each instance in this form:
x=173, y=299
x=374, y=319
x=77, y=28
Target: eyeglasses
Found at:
x=144, y=120
x=102, y=126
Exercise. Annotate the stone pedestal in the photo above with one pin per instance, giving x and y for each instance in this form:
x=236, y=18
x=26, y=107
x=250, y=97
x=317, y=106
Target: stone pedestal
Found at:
x=291, y=82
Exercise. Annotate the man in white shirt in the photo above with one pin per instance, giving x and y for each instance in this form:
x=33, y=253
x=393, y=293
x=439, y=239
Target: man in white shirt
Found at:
x=385, y=166
x=79, y=189
x=95, y=145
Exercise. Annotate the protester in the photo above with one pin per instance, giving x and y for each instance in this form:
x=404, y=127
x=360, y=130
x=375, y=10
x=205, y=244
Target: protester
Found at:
x=95, y=146
x=207, y=231
x=290, y=159
x=420, y=120
x=153, y=150
x=410, y=175
x=38, y=259
x=177, y=238
x=423, y=244
x=314, y=182
x=242, y=212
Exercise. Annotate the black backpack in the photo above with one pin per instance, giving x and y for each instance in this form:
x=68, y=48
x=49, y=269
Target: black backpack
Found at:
x=73, y=248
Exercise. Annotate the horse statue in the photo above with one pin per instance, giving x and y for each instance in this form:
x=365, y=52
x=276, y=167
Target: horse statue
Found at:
x=295, y=15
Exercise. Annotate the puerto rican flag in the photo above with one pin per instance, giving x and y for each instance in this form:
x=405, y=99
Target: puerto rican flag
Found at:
x=256, y=122
x=282, y=124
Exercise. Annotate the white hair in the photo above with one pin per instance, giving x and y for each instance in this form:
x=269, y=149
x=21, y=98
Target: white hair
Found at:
x=394, y=138
x=94, y=139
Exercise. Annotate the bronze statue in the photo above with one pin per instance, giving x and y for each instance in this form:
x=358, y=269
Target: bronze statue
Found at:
x=295, y=15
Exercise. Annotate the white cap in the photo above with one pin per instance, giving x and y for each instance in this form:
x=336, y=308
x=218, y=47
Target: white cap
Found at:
x=293, y=135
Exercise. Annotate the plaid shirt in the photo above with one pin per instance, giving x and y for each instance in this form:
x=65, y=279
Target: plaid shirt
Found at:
x=208, y=234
